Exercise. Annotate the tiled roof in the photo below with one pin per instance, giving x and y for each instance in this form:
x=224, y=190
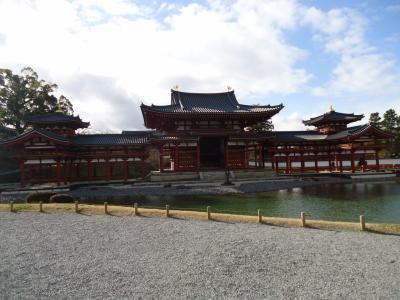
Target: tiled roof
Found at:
x=347, y=132
x=182, y=102
x=333, y=116
x=42, y=132
x=313, y=135
x=298, y=136
x=56, y=117
x=131, y=138
x=7, y=132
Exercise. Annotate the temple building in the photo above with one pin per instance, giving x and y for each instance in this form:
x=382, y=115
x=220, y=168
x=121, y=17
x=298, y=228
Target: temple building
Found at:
x=196, y=132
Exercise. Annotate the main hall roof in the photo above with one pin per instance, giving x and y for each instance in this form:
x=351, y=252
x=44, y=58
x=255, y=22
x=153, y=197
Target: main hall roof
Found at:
x=226, y=102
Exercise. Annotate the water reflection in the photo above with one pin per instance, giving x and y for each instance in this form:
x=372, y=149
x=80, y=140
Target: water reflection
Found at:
x=379, y=202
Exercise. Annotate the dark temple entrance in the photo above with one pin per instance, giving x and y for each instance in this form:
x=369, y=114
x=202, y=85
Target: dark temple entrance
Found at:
x=212, y=152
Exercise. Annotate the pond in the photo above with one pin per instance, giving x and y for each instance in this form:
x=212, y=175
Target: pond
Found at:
x=378, y=201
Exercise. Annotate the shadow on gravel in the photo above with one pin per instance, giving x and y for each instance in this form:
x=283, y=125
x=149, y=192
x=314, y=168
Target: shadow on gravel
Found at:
x=381, y=232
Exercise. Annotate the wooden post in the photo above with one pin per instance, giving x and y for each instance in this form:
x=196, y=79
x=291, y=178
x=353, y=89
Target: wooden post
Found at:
x=41, y=206
x=106, y=208
x=303, y=219
x=362, y=222
x=167, y=211
x=11, y=206
x=135, y=209
x=208, y=212
x=259, y=216
x=76, y=206
x=353, y=166
x=302, y=165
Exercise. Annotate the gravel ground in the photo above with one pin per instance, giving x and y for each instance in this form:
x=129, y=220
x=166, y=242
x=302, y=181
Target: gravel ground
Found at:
x=75, y=256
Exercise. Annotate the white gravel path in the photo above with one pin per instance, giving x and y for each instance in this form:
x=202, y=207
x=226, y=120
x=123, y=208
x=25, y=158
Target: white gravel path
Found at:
x=53, y=256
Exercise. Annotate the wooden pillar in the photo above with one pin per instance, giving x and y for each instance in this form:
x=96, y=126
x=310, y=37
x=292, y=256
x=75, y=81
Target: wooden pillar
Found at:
x=336, y=163
x=330, y=162
x=272, y=156
x=90, y=170
x=108, y=169
x=255, y=156
x=316, y=162
x=276, y=165
x=226, y=154
x=302, y=164
x=377, y=159
x=198, y=154
x=22, y=170
x=176, y=164
x=261, y=156
x=287, y=163
x=58, y=171
x=142, y=160
x=161, y=158
x=353, y=166
x=125, y=169
x=341, y=163
x=246, y=155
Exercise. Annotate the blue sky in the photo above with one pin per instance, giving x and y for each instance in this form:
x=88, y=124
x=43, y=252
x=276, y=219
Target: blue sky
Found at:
x=108, y=56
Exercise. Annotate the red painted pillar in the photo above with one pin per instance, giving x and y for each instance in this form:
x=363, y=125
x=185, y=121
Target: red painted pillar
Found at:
x=353, y=166
x=198, y=154
x=302, y=164
x=341, y=163
x=272, y=156
x=226, y=154
x=246, y=155
x=287, y=163
x=162, y=159
x=255, y=156
x=125, y=169
x=316, y=162
x=377, y=159
x=90, y=170
x=22, y=170
x=58, y=172
x=142, y=167
x=108, y=169
x=260, y=153
x=336, y=163
x=276, y=165
x=176, y=157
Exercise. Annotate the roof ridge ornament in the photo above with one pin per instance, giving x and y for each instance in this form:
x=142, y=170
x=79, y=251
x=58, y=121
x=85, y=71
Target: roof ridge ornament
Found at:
x=331, y=109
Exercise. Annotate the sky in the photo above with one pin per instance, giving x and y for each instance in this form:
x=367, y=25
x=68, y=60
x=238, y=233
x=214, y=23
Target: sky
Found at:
x=108, y=56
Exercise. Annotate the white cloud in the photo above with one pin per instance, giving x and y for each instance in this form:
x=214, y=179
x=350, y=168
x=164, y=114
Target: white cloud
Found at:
x=361, y=68
x=289, y=122
x=202, y=48
x=393, y=8
x=107, y=54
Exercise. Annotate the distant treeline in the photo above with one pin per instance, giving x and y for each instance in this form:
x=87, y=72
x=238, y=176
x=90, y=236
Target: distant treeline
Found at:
x=390, y=123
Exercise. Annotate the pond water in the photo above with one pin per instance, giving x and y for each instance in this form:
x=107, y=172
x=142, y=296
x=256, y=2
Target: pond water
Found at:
x=378, y=201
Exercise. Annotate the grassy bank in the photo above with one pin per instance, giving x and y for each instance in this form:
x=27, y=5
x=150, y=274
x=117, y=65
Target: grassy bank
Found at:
x=115, y=210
